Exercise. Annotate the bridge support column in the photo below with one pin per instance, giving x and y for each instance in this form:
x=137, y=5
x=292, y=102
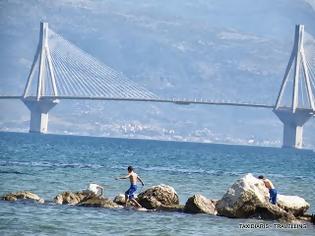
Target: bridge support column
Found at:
x=293, y=126
x=39, y=114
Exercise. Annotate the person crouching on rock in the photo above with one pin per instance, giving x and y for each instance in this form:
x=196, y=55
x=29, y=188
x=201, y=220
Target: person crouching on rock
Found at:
x=272, y=190
x=129, y=194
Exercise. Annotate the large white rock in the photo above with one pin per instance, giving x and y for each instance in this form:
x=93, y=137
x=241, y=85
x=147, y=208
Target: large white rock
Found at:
x=242, y=197
x=294, y=204
x=248, y=197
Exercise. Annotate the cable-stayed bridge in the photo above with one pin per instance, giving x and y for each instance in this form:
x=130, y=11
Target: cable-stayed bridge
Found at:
x=61, y=70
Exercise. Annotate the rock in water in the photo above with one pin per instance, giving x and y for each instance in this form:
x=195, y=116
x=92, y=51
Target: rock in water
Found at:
x=120, y=199
x=158, y=196
x=171, y=208
x=72, y=198
x=200, y=204
x=23, y=195
x=294, y=204
x=243, y=197
x=248, y=197
x=306, y=217
x=272, y=212
x=99, y=202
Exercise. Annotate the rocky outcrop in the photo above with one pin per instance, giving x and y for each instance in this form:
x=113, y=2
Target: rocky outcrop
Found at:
x=98, y=201
x=200, y=204
x=73, y=198
x=23, y=195
x=120, y=199
x=158, y=196
x=293, y=204
x=248, y=197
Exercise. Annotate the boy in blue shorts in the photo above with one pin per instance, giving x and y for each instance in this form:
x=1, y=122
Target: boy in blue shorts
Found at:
x=129, y=194
x=271, y=188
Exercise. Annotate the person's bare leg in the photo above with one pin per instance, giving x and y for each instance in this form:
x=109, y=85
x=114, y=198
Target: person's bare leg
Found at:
x=126, y=200
x=135, y=202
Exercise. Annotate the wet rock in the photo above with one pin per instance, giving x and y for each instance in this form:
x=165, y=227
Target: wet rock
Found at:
x=73, y=198
x=248, y=197
x=171, y=208
x=120, y=199
x=273, y=212
x=294, y=204
x=23, y=195
x=98, y=201
x=200, y=204
x=306, y=217
x=158, y=196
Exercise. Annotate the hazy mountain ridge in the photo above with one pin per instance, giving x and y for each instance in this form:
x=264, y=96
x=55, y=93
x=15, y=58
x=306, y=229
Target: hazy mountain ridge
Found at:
x=218, y=50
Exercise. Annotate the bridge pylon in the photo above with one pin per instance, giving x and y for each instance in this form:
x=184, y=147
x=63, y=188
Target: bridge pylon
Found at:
x=39, y=113
x=297, y=83
x=42, y=80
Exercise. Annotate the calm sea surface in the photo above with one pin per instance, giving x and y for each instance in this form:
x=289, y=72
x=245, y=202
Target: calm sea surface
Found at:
x=49, y=164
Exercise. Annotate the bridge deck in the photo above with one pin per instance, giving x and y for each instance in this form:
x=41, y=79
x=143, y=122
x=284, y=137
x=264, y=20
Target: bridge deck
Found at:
x=174, y=101
x=10, y=97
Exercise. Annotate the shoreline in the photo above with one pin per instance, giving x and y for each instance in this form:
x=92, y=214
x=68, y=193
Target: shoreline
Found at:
x=161, y=141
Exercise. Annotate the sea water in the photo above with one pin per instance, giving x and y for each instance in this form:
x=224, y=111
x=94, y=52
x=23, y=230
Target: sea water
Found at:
x=50, y=164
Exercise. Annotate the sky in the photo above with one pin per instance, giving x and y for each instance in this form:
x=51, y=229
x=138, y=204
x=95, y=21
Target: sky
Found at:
x=233, y=50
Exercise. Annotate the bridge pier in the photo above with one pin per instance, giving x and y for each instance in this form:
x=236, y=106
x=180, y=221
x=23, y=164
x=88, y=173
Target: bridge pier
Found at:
x=293, y=126
x=39, y=113
x=302, y=105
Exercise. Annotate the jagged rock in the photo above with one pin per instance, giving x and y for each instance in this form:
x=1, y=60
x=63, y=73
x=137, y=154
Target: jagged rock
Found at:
x=158, y=196
x=73, y=198
x=200, y=204
x=120, y=199
x=97, y=201
x=23, y=195
x=248, y=197
x=294, y=204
